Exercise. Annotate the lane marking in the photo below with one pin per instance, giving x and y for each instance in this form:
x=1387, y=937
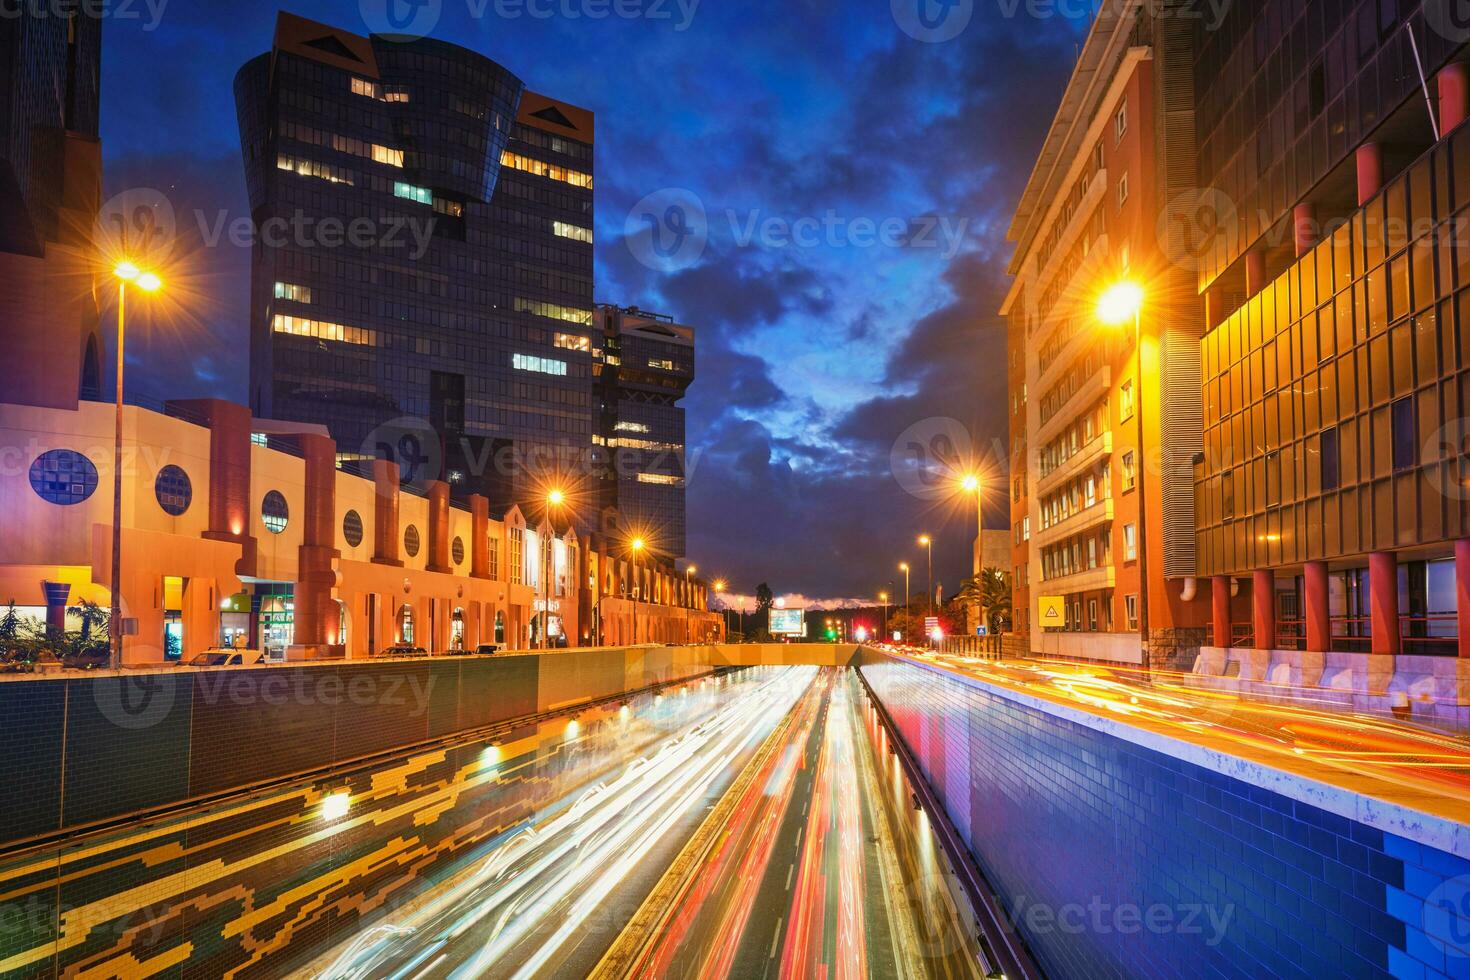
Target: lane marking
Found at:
x=790, y=870
x=776, y=939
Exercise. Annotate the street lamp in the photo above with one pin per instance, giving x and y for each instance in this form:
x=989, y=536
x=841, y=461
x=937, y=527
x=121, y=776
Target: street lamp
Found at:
x=908, y=594
x=1121, y=302
x=719, y=586
x=883, y=598
x=688, y=599
x=971, y=484
x=637, y=545
x=927, y=542
x=554, y=498
x=148, y=282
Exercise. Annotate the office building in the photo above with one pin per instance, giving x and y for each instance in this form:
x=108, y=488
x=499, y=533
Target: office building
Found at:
x=643, y=363
x=1103, y=532
x=449, y=328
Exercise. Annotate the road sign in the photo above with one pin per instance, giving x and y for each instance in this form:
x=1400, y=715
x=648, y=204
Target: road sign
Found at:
x=1051, y=612
x=931, y=623
x=981, y=631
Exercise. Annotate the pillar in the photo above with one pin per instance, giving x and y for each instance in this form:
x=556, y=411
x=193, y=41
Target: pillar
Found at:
x=1383, y=595
x=1454, y=96
x=316, y=612
x=1462, y=593
x=1369, y=159
x=1220, y=610
x=1255, y=273
x=438, y=493
x=1263, y=608
x=385, y=513
x=1315, y=607
x=479, y=538
x=1304, y=227
x=230, y=505
x=56, y=595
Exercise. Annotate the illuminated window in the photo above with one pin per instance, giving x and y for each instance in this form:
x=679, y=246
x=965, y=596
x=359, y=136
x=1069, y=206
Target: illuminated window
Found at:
x=322, y=330
x=554, y=311
x=388, y=155
x=1130, y=475
x=422, y=195
x=659, y=479
x=274, y=513
x=527, y=165
x=315, y=168
x=361, y=86
x=662, y=364
x=539, y=365
x=395, y=94
x=291, y=291
x=1125, y=401
x=1130, y=542
x=1130, y=607
x=259, y=439
x=572, y=341
x=575, y=233
x=444, y=205
x=631, y=427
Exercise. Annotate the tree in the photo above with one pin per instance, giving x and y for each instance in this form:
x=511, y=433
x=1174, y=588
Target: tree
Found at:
x=764, y=599
x=995, y=599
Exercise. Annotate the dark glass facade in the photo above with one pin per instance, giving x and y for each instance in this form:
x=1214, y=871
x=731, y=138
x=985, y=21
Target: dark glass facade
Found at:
x=645, y=364
x=460, y=311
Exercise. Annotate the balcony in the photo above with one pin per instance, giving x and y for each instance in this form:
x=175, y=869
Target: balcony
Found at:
x=1096, y=387
x=1085, y=519
x=1080, y=462
x=1097, y=579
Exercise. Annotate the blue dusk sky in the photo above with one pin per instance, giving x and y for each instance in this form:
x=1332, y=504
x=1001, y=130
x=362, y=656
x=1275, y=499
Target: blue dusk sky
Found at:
x=856, y=168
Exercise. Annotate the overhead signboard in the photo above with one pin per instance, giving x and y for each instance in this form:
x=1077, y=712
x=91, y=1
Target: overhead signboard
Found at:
x=788, y=622
x=1051, y=612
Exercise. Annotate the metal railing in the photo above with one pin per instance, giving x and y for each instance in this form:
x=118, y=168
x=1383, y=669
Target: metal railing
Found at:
x=1430, y=635
x=1291, y=634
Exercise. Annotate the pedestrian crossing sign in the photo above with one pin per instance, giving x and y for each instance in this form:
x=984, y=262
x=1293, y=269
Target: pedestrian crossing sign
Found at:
x=1052, y=612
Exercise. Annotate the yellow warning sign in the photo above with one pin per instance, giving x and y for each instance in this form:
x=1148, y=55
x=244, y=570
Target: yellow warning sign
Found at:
x=1051, y=612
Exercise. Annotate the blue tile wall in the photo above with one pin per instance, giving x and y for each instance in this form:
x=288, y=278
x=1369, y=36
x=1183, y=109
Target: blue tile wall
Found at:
x=1114, y=860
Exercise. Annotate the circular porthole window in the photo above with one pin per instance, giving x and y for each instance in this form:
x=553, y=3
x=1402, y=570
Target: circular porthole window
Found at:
x=411, y=541
x=352, y=528
x=173, y=490
x=274, y=513
x=63, y=476
x=457, y=550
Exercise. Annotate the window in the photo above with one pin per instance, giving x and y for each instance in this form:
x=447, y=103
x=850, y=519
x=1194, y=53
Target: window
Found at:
x=395, y=93
x=1405, y=449
x=413, y=193
x=173, y=490
x=411, y=541
x=361, y=86
x=322, y=330
x=1120, y=122
x=494, y=559
x=314, y=168
x=539, y=365
x=1130, y=473
x=62, y=476
x=291, y=291
x=572, y=341
x=1123, y=189
x=553, y=311
x=274, y=513
x=1331, y=468
x=517, y=554
x=352, y=528
x=660, y=479
x=1092, y=615
x=526, y=164
x=575, y=232
x=662, y=364
x=1026, y=529
x=630, y=427
x=1130, y=611
x=451, y=208
x=1130, y=542
x=1125, y=401
x=456, y=551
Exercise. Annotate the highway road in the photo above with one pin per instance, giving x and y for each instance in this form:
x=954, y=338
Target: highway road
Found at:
x=770, y=839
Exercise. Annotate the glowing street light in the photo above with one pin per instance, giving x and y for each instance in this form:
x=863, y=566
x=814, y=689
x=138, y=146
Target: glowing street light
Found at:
x=908, y=591
x=925, y=541
x=1120, y=303
x=555, y=497
x=147, y=281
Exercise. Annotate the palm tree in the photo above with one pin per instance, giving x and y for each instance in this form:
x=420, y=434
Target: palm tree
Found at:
x=995, y=599
x=971, y=596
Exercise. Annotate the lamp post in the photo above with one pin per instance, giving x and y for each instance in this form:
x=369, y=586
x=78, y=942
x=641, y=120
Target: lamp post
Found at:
x=688, y=600
x=719, y=587
x=971, y=484
x=928, y=543
x=637, y=547
x=883, y=598
x=1119, y=304
x=908, y=594
x=148, y=282
x=554, y=499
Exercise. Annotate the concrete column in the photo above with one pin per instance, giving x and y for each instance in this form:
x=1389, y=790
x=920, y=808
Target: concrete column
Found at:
x=1383, y=594
x=316, y=612
x=479, y=538
x=438, y=492
x=1462, y=593
x=1263, y=608
x=1369, y=159
x=1255, y=273
x=1220, y=610
x=1304, y=227
x=56, y=595
x=385, y=513
x=1454, y=96
x=1315, y=608
x=230, y=505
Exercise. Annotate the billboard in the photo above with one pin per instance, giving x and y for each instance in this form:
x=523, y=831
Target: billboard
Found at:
x=788, y=622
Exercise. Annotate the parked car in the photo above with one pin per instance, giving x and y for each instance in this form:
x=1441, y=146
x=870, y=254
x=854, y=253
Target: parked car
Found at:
x=486, y=650
x=224, y=658
x=402, y=651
